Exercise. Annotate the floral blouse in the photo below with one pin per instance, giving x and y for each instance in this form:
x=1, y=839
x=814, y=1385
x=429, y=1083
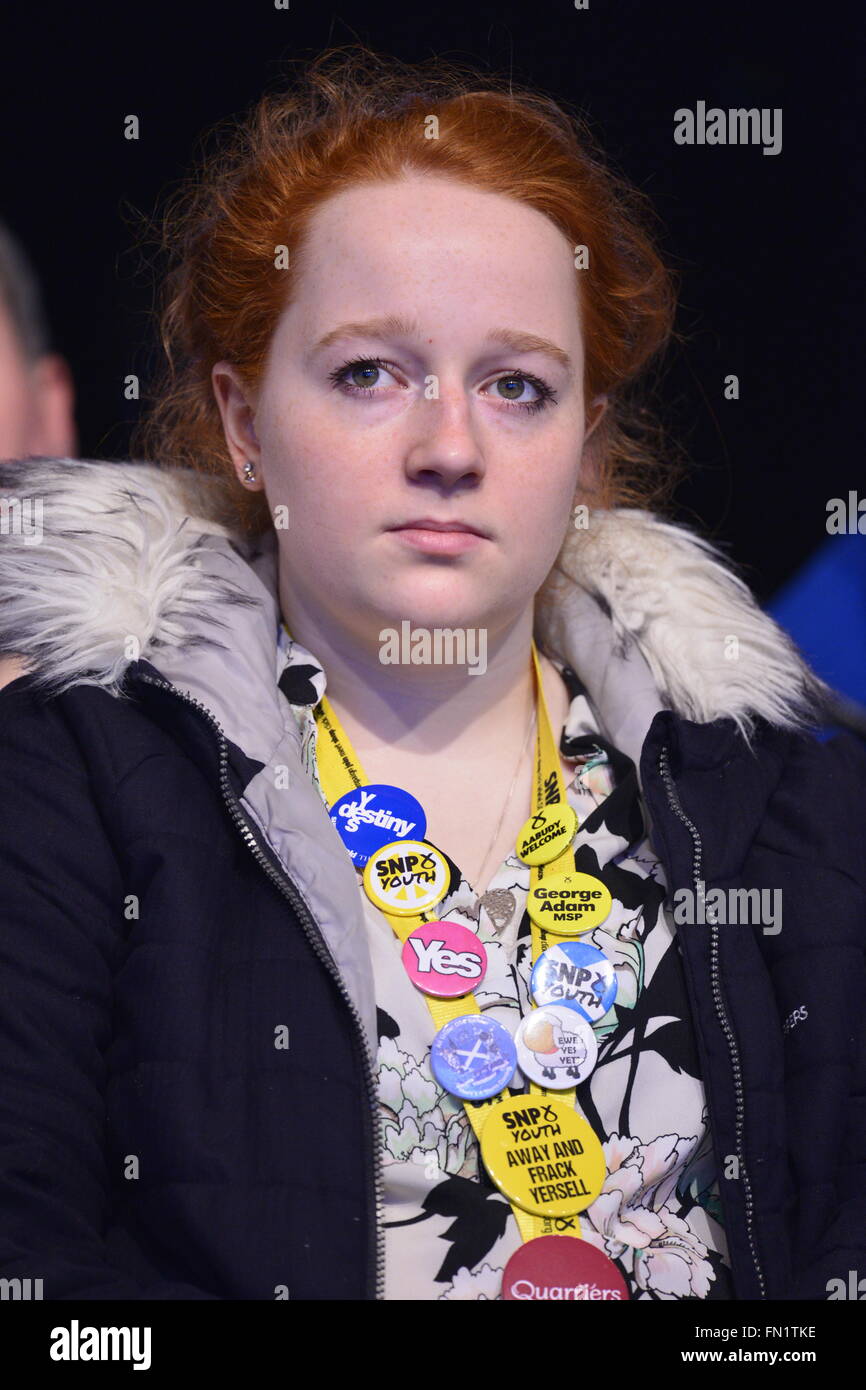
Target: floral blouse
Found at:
x=449, y=1232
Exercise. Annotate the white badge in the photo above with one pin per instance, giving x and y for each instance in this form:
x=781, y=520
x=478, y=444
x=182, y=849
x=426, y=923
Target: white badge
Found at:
x=556, y=1047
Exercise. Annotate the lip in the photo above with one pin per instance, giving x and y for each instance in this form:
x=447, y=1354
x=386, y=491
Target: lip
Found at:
x=427, y=523
x=439, y=537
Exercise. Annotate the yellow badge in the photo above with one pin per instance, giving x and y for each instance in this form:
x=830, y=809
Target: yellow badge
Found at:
x=547, y=833
x=542, y=1155
x=568, y=904
x=406, y=877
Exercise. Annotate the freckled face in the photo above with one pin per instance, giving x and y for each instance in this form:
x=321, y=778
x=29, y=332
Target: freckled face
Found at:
x=445, y=405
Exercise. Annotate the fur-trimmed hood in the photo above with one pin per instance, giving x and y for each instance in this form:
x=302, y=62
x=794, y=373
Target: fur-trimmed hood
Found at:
x=101, y=563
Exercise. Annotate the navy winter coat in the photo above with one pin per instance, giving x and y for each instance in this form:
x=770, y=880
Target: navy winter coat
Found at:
x=162, y=912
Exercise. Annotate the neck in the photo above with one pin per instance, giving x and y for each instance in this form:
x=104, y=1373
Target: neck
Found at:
x=416, y=710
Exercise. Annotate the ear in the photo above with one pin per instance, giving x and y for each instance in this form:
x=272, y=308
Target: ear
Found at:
x=587, y=489
x=594, y=415
x=237, y=407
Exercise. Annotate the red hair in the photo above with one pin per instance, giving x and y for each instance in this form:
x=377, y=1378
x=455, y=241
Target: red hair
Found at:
x=356, y=117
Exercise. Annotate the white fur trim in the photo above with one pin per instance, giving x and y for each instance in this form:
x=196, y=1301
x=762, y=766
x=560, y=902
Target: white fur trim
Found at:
x=712, y=650
x=115, y=575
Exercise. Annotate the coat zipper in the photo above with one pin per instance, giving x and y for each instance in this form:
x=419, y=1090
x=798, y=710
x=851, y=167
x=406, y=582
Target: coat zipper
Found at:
x=317, y=941
x=721, y=1011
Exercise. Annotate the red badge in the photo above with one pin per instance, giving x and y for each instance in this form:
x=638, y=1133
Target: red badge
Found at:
x=562, y=1269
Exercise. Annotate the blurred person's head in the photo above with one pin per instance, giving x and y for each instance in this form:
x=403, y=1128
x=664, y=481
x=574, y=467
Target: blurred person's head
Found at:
x=36, y=389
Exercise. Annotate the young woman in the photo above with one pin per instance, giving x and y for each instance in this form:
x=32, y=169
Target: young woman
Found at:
x=327, y=972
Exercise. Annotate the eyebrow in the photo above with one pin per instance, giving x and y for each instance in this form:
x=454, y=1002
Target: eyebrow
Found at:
x=393, y=326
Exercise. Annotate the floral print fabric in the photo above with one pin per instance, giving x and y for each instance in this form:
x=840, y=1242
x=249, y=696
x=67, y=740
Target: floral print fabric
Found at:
x=448, y=1231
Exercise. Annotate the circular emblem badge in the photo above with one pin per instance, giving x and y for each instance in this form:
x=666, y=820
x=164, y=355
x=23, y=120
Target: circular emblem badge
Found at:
x=444, y=959
x=542, y=1155
x=374, y=815
x=562, y=1268
x=577, y=975
x=547, y=833
x=556, y=1047
x=568, y=904
x=406, y=877
x=473, y=1057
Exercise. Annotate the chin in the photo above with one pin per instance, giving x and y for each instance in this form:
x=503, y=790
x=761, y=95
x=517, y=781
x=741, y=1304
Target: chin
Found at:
x=456, y=603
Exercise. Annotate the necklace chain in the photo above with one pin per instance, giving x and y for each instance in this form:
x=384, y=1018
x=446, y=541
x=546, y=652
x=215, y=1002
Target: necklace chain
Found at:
x=532, y=719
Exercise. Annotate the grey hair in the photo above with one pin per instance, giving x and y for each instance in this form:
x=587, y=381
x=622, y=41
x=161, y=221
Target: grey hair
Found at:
x=22, y=297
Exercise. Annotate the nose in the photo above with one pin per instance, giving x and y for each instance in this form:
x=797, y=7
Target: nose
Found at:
x=445, y=445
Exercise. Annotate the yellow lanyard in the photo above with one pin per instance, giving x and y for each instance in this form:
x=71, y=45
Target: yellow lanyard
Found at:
x=340, y=771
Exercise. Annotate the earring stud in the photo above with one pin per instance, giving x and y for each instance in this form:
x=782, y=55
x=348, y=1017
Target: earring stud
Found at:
x=249, y=471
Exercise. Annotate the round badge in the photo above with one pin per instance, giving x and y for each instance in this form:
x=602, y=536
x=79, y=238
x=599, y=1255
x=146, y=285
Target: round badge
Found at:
x=555, y=1047
x=577, y=975
x=473, y=1057
x=542, y=1155
x=444, y=959
x=547, y=833
x=568, y=904
x=406, y=877
x=562, y=1268
x=374, y=815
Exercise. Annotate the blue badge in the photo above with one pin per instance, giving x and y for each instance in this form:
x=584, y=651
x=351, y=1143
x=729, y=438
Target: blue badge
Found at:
x=576, y=974
x=371, y=816
x=473, y=1057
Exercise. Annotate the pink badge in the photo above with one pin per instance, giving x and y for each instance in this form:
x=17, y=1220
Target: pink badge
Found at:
x=444, y=959
x=562, y=1268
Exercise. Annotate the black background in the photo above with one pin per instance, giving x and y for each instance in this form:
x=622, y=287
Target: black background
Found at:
x=770, y=248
